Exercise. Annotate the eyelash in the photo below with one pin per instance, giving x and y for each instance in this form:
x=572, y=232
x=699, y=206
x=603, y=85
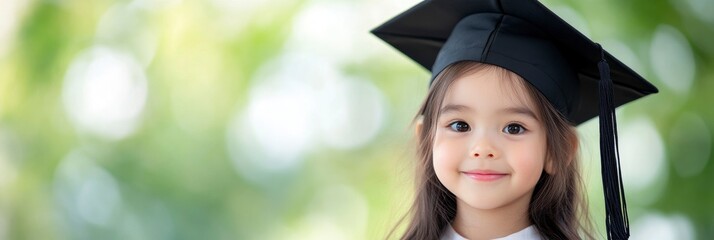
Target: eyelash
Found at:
x=452, y=124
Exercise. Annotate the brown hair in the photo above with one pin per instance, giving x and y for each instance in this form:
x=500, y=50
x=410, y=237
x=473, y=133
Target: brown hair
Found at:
x=558, y=207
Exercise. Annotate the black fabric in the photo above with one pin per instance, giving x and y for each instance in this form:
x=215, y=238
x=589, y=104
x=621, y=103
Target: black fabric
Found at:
x=531, y=41
x=616, y=219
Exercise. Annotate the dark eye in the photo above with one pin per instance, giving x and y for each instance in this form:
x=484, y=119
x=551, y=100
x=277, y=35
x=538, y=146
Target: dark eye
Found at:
x=514, y=128
x=459, y=126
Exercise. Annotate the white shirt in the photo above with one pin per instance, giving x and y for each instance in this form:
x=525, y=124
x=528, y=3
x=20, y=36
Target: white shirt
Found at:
x=528, y=233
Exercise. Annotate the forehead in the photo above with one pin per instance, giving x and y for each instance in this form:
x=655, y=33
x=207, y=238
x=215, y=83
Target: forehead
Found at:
x=489, y=88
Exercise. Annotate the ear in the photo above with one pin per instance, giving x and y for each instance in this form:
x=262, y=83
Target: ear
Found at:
x=550, y=165
x=418, y=125
x=575, y=142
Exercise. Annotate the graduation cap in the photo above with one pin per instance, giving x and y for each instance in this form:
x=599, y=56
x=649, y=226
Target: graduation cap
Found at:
x=575, y=74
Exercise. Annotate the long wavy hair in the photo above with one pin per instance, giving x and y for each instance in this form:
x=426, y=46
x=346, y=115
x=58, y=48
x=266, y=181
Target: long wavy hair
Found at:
x=558, y=207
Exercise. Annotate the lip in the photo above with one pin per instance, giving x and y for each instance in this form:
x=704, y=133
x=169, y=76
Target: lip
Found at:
x=484, y=175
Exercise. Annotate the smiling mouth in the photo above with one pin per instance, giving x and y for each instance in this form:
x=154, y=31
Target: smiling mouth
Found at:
x=485, y=176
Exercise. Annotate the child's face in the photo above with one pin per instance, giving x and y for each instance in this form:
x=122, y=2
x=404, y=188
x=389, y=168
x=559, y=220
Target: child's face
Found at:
x=489, y=149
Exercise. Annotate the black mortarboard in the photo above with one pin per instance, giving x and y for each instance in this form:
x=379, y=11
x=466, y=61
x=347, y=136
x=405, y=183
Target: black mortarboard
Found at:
x=523, y=36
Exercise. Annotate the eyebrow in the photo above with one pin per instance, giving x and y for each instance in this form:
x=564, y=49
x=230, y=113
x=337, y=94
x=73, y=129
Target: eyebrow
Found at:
x=453, y=108
x=509, y=110
x=521, y=111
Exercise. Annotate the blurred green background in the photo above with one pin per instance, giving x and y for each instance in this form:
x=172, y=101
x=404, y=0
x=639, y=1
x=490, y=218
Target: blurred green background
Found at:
x=283, y=119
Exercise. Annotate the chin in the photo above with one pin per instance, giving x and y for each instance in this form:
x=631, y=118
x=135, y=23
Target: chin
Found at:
x=484, y=203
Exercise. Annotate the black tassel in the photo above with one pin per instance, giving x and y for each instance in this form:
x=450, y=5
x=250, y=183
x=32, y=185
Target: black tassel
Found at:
x=618, y=226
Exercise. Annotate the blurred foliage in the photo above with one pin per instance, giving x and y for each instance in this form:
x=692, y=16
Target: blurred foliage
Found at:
x=179, y=144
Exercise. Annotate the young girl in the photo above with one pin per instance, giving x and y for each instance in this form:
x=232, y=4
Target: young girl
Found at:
x=497, y=143
x=486, y=164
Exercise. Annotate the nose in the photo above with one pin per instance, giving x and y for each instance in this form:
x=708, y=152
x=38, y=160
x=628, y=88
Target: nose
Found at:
x=490, y=155
x=483, y=148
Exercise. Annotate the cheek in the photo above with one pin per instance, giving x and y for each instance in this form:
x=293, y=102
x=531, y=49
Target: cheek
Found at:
x=529, y=160
x=446, y=154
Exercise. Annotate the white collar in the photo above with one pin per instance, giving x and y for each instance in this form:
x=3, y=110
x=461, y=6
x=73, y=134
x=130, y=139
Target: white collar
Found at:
x=528, y=233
